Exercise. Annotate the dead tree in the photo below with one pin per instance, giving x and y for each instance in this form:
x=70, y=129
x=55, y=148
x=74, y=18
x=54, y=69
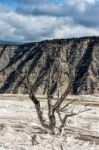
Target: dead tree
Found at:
x=57, y=107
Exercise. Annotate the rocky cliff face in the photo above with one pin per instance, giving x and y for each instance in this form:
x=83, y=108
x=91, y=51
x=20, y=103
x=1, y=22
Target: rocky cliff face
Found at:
x=82, y=53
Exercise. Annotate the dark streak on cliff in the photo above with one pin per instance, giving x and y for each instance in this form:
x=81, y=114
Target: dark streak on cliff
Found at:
x=31, y=59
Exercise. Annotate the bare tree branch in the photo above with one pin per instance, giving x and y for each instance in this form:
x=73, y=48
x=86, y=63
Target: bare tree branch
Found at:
x=61, y=66
x=65, y=106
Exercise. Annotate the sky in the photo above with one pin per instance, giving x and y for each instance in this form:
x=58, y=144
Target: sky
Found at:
x=36, y=20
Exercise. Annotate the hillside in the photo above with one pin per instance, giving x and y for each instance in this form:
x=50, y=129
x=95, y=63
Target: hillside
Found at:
x=9, y=43
x=82, y=53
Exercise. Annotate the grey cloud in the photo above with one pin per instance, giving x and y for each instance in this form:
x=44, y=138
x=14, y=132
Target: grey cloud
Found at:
x=90, y=17
x=27, y=28
x=35, y=27
x=83, y=13
x=46, y=9
x=7, y=32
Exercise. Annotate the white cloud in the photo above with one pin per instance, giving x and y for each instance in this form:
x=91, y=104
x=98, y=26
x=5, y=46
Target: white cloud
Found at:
x=75, y=31
x=56, y=22
x=91, y=1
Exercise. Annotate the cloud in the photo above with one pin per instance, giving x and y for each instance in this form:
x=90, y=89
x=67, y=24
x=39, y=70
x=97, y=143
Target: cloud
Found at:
x=75, y=31
x=83, y=12
x=30, y=28
x=72, y=18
